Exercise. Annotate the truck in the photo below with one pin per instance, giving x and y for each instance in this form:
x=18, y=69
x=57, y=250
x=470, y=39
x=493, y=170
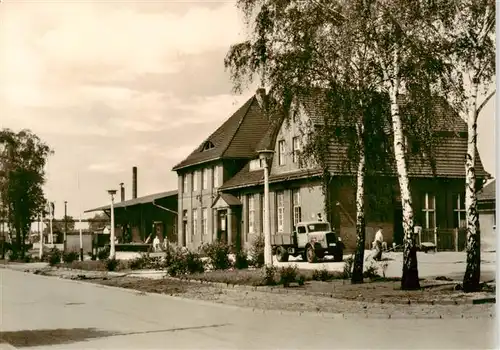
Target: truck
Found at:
x=311, y=240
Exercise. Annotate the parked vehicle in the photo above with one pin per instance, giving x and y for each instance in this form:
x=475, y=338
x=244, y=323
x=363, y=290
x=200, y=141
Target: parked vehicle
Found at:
x=312, y=240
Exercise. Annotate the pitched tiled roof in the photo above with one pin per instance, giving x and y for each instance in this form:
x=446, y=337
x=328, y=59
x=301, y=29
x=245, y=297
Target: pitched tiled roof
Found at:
x=247, y=178
x=488, y=192
x=228, y=198
x=449, y=158
x=446, y=119
x=140, y=200
x=236, y=138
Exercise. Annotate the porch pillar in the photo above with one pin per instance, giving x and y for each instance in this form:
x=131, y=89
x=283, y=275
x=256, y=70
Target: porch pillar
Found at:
x=215, y=225
x=229, y=227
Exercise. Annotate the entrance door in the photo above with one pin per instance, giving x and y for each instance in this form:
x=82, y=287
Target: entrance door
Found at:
x=222, y=225
x=398, y=226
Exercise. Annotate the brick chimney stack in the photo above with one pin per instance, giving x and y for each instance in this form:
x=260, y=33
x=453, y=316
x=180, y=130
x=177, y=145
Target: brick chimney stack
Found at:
x=134, y=182
x=122, y=192
x=261, y=96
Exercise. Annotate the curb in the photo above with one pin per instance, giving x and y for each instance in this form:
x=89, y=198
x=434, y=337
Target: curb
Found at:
x=267, y=289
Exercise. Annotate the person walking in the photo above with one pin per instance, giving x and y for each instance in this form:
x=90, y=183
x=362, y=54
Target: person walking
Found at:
x=377, y=244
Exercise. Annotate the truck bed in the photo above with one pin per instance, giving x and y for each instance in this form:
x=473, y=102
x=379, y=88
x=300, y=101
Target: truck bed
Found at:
x=282, y=238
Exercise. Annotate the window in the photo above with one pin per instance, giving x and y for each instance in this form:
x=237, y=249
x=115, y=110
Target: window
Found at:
x=296, y=149
x=256, y=164
x=429, y=210
x=297, y=210
x=280, y=203
x=281, y=152
x=208, y=145
x=195, y=181
x=215, y=178
x=204, y=221
x=194, y=230
x=251, y=213
x=204, y=179
x=185, y=183
x=459, y=211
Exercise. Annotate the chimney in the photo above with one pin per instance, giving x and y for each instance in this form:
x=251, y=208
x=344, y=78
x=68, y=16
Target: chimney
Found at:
x=134, y=182
x=122, y=192
x=260, y=94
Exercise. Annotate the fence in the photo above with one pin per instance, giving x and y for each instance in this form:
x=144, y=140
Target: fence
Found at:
x=449, y=239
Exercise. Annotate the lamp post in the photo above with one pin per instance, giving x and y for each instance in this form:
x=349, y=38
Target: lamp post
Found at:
x=266, y=155
x=112, y=233
x=65, y=223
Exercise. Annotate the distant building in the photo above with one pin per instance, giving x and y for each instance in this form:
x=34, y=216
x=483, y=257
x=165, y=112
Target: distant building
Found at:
x=138, y=218
x=486, y=201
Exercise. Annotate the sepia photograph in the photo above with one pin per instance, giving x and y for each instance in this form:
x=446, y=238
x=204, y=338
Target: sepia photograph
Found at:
x=248, y=174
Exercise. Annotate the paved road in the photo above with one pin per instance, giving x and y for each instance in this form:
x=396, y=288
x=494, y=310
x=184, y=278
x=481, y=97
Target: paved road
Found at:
x=50, y=313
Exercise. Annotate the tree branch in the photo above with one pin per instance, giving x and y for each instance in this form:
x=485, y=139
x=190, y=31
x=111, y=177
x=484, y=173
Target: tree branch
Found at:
x=481, y=106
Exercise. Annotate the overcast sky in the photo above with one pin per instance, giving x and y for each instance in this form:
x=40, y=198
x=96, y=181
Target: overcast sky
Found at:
x=111, y=85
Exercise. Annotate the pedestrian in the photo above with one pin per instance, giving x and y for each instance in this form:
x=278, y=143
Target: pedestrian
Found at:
x=377, y=244
x=156, y=244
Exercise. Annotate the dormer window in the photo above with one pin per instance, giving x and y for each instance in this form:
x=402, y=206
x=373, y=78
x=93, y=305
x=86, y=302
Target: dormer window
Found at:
x=208, y=145
x=256, y=164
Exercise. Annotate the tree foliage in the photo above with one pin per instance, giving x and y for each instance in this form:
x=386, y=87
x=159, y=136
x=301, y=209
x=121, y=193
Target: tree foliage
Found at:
x=22, y=164
x=470, y=34
x=362, y=53
x=99, y=223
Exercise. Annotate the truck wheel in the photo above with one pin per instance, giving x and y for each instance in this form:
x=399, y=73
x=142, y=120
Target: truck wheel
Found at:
x=339, y=256
x=281, y=254
x=311, y=255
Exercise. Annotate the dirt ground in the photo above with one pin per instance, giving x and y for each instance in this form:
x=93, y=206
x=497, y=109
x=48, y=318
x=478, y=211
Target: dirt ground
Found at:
x=296, y=299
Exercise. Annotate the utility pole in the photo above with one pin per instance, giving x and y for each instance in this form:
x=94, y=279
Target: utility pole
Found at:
x=65, y=224
x=51, y=217
x=112, y=233
x=40, y=231
x=80, y=217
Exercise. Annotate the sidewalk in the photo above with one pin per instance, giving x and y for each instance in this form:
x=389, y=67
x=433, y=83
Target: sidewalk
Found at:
x=449, y=264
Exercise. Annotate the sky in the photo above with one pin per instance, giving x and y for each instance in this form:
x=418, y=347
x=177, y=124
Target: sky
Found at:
x=114, y=84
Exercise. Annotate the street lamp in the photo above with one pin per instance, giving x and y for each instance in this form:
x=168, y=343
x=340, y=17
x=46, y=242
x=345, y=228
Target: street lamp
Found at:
x=112, y=233
x=266, y=155
x=65, y=223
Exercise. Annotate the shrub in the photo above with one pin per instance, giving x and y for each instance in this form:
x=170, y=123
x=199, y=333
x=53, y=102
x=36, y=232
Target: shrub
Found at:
x=54, y=256
x=14, y=255
x=218, y=255
x=269, y=278
x=288, y=275
x=257, y=251
x=183, y=262
x=371, y=271
x=241, y=260
x=70, y=257
x=28, y=258
x=348, y=267
x=301, y=279
x=146, y=262
x=111, y=264
x=322, y=275
x=103, y=254
x=194, y=263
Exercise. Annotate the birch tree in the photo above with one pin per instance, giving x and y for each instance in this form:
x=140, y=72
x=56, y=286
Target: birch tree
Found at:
x=300, y=49
x=470, y=33
x=402, y=33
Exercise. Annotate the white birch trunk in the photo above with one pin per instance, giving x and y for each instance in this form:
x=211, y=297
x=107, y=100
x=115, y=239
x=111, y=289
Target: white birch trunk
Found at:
x=357, y=273
x=409, y=279
x=473, y=269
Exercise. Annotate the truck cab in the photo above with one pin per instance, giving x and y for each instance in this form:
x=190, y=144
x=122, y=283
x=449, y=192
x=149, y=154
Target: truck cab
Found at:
x=315, y=239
